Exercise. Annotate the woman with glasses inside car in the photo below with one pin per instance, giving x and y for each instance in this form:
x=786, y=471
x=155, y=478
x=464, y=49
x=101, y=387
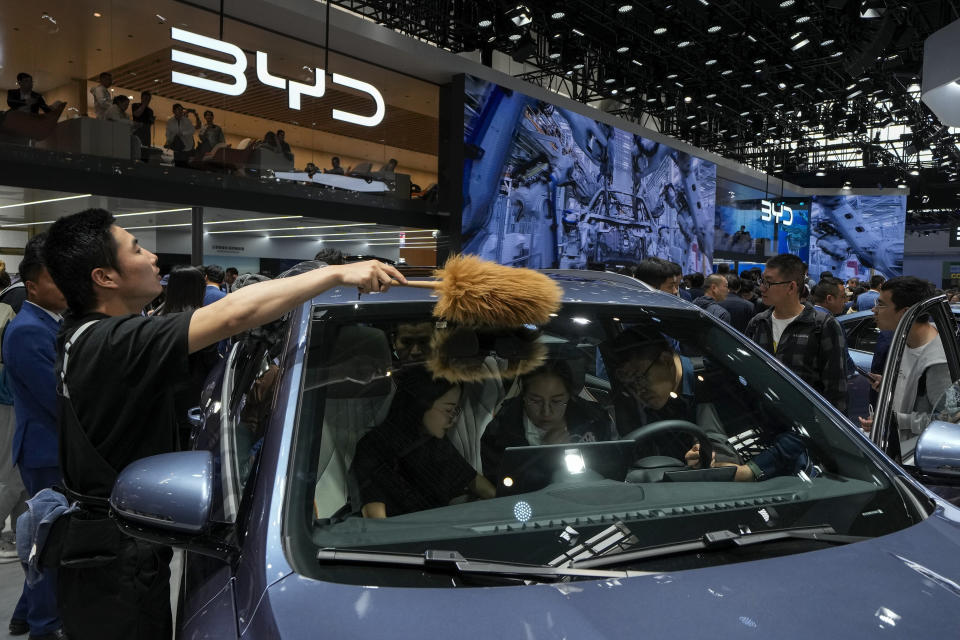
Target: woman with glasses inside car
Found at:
x=548, y=411
x=406, y=463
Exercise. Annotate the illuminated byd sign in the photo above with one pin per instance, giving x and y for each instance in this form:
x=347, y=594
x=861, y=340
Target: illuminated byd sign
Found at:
x=770, y=210
x=237, y=70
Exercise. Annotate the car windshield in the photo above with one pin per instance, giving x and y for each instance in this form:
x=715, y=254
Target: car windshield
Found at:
x=512, y=445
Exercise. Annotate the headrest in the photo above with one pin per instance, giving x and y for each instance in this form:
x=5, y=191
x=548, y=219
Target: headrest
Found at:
x=358, y=364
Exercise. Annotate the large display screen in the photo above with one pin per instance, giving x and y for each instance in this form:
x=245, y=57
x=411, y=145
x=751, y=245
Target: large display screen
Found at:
x=545, y=187
x=850, y=235
x=753, y=225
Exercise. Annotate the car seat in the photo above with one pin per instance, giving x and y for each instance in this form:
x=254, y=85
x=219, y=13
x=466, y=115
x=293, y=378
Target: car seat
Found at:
x=357, y=397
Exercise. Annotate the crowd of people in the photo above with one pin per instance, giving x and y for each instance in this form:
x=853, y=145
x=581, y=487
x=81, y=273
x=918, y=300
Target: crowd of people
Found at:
x=91, y=296
x=185, y=135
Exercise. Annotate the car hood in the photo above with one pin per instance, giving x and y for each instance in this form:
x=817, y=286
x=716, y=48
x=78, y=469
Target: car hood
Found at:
x=904, y=585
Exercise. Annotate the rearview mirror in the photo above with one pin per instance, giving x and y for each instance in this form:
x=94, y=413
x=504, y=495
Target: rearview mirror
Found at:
x=171, y=491
x=938, y=449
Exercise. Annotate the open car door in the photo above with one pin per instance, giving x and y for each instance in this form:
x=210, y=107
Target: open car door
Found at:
x=916, y=422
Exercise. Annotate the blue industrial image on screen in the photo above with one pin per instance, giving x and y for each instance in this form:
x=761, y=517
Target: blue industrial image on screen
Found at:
x=545, y=187
x=754, y=225
x=850, y=235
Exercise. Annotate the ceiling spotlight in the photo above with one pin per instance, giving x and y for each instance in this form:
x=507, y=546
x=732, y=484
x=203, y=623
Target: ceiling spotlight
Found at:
x=97, y=14
x=726, y=72
x=847, y=184
x=711, y=96
x=484, y=23
x=623, y=49
x=745, y=85
x=827, y=42
x=614, y=92
x=636, y=62
x=609, y=80
x=630, y=89
x=554, y=55
x=683, y=44
x=625, y=8
x=795, y=35
x=781, y=86
x=836, y=54
x=578, y=66
x=558, y=15
x=671, y=76
x=714, y=28
x=513, y=37
x=710, y=62
x=744, y=113
x=915, y=171
x=671, y=107
x=800, y=45
x=802, y=19
x=577, y=32
x=659, y=31
x=687, y=99
x=851, y=96
x=520, y=15
x=901, y=184
x=759, y=61
x=691, y=117
x=820, y=171
x=787, y=3
x=762, y=94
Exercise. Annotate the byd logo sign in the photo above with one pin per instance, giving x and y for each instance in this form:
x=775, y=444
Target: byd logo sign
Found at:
x=237, y=70
x=770, y=210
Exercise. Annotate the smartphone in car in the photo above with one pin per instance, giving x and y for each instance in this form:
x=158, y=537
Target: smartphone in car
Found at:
x=862, y=371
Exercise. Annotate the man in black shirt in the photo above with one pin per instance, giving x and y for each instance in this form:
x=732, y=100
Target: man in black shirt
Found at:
x=117, y=403
x=142, y=114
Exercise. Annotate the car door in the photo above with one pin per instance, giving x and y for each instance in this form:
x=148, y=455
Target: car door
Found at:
x=913, y=384
x=235, y=418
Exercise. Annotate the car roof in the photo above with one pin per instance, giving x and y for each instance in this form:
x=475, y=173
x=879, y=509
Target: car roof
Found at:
x=856, y=315
x=591, y=287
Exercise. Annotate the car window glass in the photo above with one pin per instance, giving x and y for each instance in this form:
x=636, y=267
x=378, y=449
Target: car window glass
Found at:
x=591, y=418
x=863, y=337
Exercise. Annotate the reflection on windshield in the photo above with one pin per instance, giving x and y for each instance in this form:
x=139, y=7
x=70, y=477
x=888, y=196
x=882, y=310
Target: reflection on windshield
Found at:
x=665, y=422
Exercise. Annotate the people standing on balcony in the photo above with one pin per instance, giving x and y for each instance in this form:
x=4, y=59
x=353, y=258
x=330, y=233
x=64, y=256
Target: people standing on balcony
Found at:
x=118, y=110
x=337, y=169
x=24, y=98
x=143, y=116
x=210, y=134
x=282, y=143
x=270, y=142
x=101, y=95
x=180, y=130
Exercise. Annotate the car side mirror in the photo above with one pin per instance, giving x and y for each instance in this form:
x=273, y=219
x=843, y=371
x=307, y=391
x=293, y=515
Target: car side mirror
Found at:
x=938, y=449
x=170, y=491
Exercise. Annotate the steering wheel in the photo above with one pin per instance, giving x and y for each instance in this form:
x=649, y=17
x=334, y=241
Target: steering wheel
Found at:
x=653, y=429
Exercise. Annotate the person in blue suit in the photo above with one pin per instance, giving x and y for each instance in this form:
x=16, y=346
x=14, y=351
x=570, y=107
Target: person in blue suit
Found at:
x=29, y=354
x=214, y=274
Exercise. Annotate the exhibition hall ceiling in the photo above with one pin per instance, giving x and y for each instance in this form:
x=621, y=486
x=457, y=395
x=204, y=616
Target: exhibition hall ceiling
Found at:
x=788, y=86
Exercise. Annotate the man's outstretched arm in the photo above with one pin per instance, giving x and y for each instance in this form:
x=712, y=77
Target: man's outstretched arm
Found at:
x=263, y=302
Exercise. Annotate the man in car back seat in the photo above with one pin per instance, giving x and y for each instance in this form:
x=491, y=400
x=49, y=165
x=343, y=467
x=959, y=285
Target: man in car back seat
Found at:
x=116, y=403
x=407, y=464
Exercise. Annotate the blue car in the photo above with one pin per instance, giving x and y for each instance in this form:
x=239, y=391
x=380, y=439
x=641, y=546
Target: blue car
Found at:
x=633, y=468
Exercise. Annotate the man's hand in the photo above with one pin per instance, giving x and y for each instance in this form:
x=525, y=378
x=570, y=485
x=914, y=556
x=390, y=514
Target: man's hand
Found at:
x=866, y=424
x=875, y=380
x=369, y=277
x=692, y=457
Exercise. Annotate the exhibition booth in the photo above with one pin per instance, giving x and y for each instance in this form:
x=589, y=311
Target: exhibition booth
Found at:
x=427, y=141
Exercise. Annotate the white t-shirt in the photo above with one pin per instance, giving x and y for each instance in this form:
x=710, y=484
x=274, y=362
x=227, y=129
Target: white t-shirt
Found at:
x=778, y=327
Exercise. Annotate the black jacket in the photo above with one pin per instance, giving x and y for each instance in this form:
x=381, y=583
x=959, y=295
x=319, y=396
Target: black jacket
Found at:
x=15, y=102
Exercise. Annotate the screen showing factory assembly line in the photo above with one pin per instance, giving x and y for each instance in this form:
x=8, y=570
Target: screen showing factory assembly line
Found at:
x=545, y=187
x=850, y=235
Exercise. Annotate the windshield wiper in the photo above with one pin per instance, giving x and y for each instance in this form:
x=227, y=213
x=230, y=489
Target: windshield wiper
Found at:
x=453, y=560
x=716, y=540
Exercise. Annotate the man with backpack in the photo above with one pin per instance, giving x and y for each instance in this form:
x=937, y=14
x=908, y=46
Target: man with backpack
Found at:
x=808, y=341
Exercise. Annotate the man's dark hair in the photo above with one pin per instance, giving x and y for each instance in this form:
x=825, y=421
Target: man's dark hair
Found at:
x=723, y=269
x=281, y=132
x=790, y=267
x=556, y=368
x=23, y=75
x=876, y=282
x=31, y=266
x=105, y=73
x=696, y=279
x=330, y=256
x=826, y=287
x=214, y=273
x=206, y=112
x=75, y=246
x=653, y=271
x=232, y=270
x=825, y=275
x=185, y=289
x=335, y=160
x=145, y=94
x=174, y=107
x=747, y=286
x=119, y=99
x=906, y=291
x=734, y=283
